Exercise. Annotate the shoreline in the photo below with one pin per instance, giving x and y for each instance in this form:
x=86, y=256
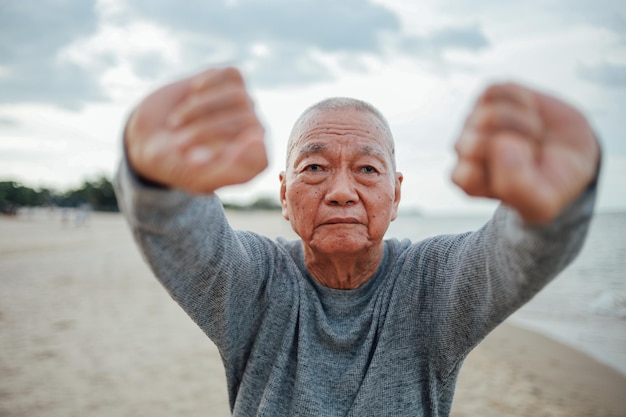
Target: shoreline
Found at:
x=532, y=327
x=87, y=330
x=553, y=378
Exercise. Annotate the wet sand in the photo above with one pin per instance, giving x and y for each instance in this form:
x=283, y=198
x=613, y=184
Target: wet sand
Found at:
x=85, y=330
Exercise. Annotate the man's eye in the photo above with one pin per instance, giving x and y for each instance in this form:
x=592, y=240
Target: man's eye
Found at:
x=368, y=169
x=313, y=168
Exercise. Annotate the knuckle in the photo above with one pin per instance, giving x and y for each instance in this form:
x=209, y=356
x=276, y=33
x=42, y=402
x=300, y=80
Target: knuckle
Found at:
x=193, y=101
x=509, y=92
x=501, y=86
x=457, y=178
x=504, y=191
x=239, y=97
x=254, y=156
x=139, y=121
x=232, y=74
x=251, y=119
x=494, y=91
x=468, y=177
x=189, y=136
x=484, y=118
x=551, y=210
x=489, y=119
x=474, y=188
x=188, y=109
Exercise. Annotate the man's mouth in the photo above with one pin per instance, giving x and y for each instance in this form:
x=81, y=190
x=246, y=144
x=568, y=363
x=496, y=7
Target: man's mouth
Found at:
x=342, y=220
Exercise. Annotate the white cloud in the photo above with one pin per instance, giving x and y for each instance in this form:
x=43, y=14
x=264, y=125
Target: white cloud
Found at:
x=117, y=54
x=124, y=51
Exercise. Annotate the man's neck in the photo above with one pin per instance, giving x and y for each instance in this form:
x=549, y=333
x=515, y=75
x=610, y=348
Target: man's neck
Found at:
x=343, y=271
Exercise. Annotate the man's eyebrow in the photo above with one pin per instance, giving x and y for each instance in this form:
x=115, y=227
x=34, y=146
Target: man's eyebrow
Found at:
x=371, y=151
x=312, y=148
x=317, y=148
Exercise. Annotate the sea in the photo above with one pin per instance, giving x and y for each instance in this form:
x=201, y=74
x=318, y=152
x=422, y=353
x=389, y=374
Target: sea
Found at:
x=584, y=307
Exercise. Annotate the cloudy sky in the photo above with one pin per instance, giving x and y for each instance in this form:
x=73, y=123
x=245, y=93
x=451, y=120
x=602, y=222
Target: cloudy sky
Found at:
x=71, y=71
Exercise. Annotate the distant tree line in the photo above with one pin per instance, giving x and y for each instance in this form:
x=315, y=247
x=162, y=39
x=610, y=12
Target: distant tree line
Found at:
x=98, y=194
x=261, y=203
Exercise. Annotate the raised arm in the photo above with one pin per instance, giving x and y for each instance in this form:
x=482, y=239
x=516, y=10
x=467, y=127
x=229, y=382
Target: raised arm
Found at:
x=182, y=142
x=540, y=158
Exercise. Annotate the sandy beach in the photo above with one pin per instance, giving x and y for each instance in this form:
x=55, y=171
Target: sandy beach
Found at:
x=85, y=330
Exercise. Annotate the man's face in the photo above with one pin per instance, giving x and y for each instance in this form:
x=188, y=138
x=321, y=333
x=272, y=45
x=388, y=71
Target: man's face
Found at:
x=340, y=190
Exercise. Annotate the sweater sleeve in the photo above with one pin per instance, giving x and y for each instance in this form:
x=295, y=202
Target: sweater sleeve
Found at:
x=476, y=280
x=218, y=276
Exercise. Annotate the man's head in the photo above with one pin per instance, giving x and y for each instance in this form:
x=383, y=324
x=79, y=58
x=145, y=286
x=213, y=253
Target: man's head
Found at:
x=340, y=189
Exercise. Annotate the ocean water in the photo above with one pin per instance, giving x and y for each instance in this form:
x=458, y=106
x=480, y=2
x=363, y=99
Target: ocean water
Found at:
x=585, y=306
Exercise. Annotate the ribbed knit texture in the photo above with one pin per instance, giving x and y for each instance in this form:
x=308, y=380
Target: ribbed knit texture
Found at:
x=393, y=347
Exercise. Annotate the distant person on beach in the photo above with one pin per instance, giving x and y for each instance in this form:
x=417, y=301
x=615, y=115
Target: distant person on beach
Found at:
x=342, y=322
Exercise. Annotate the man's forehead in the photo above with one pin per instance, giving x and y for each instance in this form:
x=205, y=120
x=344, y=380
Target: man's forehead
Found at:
x=320, y=127
x=328, y=125
x=337, y=118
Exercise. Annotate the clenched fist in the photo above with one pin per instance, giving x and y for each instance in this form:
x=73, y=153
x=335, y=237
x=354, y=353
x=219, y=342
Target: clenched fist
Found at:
x=197, y=134
x=531, y=151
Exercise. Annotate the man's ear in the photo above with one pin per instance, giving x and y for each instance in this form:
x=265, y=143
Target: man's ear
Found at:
x=397, y=195
x=283, y=194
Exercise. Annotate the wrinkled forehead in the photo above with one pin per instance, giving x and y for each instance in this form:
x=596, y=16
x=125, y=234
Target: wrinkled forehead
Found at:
x=326, y=125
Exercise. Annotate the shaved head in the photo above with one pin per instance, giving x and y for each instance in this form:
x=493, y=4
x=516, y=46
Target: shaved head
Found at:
x=338, y=104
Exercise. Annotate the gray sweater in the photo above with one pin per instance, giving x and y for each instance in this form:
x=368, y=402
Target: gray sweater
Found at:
x=392, y=347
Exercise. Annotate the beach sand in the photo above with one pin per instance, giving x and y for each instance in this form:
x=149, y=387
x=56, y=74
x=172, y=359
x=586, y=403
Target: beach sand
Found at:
x=85, y=330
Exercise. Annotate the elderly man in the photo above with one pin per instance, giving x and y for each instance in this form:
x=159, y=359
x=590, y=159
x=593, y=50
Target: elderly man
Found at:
x=342, y=322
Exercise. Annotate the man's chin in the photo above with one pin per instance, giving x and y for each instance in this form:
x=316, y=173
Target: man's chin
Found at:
x=341, y=245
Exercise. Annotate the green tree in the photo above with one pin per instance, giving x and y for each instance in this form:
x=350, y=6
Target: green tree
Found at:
x=98, y=194
x=14, y=195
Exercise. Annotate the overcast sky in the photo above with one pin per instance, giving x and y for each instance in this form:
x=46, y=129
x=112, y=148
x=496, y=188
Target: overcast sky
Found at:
x=71, y=71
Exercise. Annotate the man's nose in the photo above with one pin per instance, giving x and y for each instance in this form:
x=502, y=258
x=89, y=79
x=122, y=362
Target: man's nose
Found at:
x=341, y=190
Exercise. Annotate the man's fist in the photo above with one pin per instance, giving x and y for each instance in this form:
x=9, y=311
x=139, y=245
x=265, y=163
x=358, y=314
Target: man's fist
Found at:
x=197, y=134
x=531, y=151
